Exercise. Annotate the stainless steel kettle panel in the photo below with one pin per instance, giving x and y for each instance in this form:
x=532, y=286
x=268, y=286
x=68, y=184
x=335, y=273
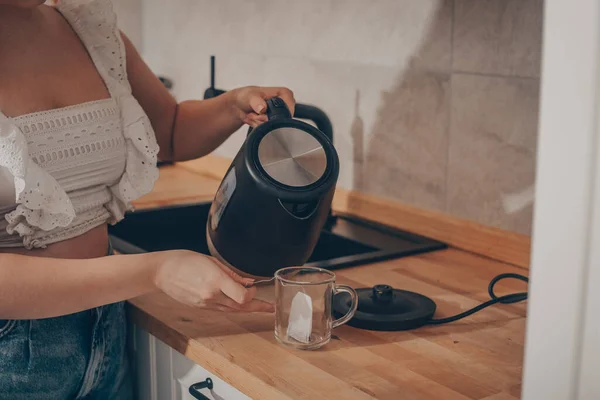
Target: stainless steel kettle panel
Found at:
x=292, y=157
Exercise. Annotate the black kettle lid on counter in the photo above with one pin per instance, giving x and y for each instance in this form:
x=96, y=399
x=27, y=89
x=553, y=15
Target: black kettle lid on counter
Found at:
x=383, y=308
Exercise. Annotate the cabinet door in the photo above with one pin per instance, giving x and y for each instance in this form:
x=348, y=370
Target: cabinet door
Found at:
x=187, y=373
x=165, y=389
x=151, y=366
x=143, y=364
x=162, y=373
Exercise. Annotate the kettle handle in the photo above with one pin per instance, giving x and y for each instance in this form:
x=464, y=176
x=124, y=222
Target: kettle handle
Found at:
x=276, y=109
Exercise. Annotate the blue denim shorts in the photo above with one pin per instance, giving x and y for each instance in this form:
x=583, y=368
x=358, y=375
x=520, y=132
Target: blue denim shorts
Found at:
x=77, y=356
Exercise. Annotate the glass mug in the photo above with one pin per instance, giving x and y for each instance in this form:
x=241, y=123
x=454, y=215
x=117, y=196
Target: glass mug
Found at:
x=303, y=306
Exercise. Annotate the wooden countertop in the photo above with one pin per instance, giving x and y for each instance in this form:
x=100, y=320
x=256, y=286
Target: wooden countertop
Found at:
x=479, y=357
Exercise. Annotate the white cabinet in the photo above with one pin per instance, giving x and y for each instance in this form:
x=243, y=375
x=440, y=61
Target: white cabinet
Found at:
x=186, y=373
x=164, y=374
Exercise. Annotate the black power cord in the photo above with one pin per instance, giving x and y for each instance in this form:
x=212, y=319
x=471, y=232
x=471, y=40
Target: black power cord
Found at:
x=506, y=299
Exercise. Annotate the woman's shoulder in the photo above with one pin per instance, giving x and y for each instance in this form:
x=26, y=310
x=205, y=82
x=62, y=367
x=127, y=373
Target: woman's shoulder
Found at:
x=95, y=21
x=91, y=15
x=91, y=10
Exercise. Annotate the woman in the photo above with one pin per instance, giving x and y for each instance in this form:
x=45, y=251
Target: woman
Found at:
x=82, y=123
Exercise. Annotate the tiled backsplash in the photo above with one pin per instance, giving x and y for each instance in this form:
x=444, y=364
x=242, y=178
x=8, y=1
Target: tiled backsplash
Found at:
x=433, y=102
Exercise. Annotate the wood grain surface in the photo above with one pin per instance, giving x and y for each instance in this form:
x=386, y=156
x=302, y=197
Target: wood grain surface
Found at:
x=476, y=358
x=510, y=247
x=178, y=186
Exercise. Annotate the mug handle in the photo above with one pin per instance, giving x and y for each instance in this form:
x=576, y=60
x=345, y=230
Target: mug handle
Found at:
x=353, y=304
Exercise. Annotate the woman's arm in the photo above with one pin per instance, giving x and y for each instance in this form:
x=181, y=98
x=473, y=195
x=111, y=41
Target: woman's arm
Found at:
x=192, y=129
x=34, y=287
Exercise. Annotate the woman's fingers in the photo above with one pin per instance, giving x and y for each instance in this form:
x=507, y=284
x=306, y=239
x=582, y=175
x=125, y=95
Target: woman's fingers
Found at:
x=233, y=275
x=252, y=123
x=252, y=102
x=258, y=99
x=204, y=282
x=235, y=290
x=254, y=119
x=238, y=297
x=258, y=117
x=284, y=93
x=257, y=103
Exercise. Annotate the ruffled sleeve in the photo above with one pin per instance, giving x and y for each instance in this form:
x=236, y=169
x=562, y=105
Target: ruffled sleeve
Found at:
x=141, y=172
x=96, y=23
x=41, y=202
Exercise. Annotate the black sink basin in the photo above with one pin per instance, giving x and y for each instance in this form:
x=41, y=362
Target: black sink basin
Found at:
x=344, y=242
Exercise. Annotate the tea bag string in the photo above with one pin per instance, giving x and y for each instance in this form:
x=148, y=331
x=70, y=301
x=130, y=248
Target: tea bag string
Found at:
x=291, y=284
x=261, y=281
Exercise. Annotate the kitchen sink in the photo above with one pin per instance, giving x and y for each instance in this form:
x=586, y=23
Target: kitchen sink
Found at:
x=345, y=241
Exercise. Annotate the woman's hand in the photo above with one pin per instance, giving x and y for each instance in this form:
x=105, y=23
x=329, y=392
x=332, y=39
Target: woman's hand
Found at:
x=194, y=128
x=202, y=281
x=250, y=106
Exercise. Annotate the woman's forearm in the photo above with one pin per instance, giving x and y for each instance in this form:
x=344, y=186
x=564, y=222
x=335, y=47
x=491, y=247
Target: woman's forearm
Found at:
x=34, y=287
x=188, y=130
x=201, y=126
x=192, y=129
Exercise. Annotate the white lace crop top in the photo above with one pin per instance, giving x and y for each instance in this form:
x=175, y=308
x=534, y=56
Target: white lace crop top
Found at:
x=66, y=171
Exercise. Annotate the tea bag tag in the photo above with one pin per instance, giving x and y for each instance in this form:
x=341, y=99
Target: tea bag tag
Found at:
x=300, y=321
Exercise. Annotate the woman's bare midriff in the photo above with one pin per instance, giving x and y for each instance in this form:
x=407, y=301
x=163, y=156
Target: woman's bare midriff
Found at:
x=65, y=78
x=91, y=244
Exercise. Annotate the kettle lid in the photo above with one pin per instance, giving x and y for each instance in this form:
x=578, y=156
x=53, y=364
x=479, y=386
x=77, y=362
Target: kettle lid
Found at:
x=292, y=157
x=288, y=158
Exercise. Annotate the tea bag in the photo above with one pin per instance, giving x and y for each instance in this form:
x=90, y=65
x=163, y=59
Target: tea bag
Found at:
x=300, y=321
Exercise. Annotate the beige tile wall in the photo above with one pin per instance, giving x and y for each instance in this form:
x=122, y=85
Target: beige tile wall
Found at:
x=433, y=102
x=491, y=148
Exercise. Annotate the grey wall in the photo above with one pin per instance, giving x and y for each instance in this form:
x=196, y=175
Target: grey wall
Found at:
x=434, y=102
x=129, y=13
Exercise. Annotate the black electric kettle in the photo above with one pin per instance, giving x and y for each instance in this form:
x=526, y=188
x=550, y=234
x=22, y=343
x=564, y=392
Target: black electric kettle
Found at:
x=276, y=196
